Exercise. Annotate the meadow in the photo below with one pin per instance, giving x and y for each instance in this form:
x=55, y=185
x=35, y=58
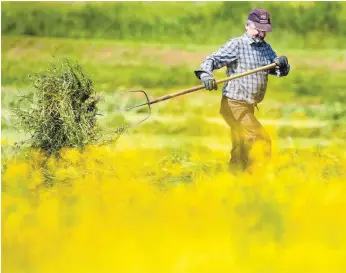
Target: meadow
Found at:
x=160, y=197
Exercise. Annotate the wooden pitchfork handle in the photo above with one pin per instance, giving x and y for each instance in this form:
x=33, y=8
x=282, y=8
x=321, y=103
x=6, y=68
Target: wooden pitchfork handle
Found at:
x=199, y=87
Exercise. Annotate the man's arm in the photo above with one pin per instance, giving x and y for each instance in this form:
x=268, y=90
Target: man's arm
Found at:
x=223, y=56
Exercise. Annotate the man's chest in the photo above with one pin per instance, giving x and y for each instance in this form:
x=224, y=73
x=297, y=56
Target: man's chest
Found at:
x=252, y=56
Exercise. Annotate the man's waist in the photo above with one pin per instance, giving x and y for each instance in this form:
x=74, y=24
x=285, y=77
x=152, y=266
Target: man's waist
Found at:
x=251, y=89
x=240, y=101
x=248, y=97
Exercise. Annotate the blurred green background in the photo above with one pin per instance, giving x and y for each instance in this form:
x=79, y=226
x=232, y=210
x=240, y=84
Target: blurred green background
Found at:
x=296, y=24
x=156, y=46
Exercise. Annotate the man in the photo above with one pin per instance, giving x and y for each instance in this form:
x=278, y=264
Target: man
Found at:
x=241, y=95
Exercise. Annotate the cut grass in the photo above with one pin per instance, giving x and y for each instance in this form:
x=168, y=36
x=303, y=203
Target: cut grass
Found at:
x=61, y=110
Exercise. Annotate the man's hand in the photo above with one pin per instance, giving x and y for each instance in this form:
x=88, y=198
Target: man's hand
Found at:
x=281, y=62
x=208, y=82
x=283, y=68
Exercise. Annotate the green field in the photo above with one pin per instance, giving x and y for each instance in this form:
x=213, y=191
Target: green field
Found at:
x=307, y=104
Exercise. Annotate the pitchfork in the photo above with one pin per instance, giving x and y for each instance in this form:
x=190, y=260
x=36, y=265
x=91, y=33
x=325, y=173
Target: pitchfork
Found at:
x=183, y=92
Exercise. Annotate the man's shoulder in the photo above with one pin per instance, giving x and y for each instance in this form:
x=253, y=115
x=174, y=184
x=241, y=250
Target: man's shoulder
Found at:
x=233, y=41
x=243, y=40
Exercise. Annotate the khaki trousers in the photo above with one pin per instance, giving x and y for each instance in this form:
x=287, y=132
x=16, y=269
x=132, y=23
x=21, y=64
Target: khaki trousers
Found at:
x=251, y=144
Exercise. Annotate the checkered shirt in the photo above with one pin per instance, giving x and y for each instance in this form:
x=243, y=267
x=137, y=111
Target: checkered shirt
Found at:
x=242, y=54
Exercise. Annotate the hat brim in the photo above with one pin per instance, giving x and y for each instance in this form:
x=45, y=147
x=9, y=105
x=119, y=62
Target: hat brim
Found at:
x=263, y=27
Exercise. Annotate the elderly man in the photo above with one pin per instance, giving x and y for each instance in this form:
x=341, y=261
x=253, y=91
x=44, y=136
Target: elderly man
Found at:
x=241, y=95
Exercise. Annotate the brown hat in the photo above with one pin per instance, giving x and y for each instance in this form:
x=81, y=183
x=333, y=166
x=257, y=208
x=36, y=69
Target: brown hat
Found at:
x=261, y=19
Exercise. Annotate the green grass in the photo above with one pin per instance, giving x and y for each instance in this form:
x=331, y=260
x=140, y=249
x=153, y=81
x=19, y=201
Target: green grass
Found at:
x=307, y=104
x=119, y=66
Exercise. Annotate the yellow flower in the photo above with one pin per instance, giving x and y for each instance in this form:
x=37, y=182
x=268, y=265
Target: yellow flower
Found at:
x=15, y=174
x=71, y=155
x=4, y=141
x=35, y=179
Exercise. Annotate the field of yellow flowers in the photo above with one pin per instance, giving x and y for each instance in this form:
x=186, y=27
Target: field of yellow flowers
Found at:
x=152, y=210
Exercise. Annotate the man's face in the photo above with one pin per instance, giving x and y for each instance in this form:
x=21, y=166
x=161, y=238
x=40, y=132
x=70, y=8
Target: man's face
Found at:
x=256, y=34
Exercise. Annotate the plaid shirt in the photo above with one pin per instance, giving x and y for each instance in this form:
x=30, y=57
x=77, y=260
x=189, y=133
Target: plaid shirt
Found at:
x=242, y=54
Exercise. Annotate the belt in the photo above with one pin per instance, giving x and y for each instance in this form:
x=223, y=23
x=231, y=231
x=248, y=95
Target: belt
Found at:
x=255, y=105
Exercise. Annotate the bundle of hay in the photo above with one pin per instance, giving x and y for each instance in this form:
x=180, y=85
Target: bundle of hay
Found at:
x=61, y=111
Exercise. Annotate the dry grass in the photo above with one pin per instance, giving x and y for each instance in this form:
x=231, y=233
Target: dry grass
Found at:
x=61, y=111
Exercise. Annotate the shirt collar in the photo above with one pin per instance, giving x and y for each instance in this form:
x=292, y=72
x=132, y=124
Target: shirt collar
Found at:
x=250, y=40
